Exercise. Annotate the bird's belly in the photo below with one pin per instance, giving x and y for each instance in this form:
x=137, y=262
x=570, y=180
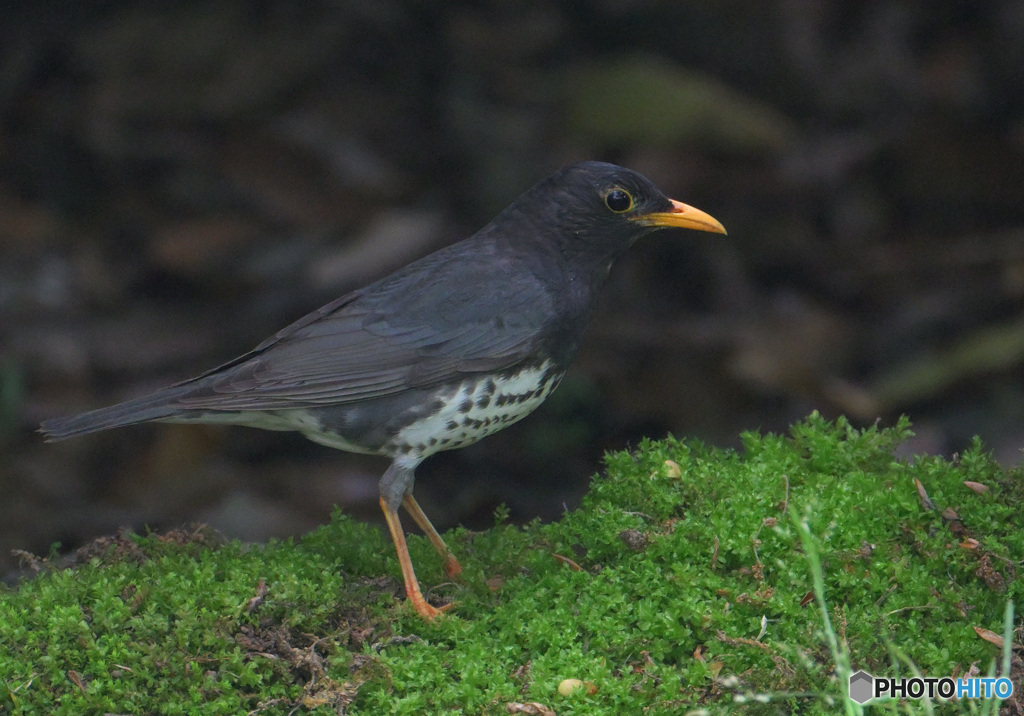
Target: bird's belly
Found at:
x=416, y=423
x=476, y=409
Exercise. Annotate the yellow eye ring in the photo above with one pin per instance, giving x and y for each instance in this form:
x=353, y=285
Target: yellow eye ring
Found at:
x=618, y=200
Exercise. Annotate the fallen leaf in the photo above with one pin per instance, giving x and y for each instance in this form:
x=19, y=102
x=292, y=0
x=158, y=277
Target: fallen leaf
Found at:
x=533, y=708
x=569, y=562
x=923, y=495
x=990, y=636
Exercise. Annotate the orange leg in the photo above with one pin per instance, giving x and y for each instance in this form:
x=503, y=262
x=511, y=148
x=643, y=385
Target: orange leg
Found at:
x=412, y=586
x=451, y=565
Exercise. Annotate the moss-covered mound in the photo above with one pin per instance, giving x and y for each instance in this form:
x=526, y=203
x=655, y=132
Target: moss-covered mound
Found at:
x=681, y=583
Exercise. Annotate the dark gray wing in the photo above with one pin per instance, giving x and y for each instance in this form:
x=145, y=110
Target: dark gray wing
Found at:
x=435, y=321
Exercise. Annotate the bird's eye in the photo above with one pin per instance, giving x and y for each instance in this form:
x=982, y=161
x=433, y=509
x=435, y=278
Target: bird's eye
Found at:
x=618, y=201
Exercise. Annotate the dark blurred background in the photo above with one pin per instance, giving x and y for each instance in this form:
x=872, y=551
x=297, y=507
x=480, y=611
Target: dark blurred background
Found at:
x=178, y=180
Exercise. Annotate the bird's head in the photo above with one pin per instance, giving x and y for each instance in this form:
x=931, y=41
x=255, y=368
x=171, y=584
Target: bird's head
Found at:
x=596, y=210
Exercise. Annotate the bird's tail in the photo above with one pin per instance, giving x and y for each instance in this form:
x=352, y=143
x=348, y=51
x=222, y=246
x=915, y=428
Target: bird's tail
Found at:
x=155, y=406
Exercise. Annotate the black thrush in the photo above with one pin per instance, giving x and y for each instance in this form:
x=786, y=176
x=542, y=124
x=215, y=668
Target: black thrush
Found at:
x=439, y=354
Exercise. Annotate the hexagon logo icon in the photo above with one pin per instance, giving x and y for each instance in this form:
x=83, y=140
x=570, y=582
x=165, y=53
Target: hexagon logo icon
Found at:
x=860, y=686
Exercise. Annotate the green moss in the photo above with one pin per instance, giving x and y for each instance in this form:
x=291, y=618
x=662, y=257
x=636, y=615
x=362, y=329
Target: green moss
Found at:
x=682, y=582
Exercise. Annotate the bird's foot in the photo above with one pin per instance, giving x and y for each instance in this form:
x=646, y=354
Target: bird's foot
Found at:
x=427, y=610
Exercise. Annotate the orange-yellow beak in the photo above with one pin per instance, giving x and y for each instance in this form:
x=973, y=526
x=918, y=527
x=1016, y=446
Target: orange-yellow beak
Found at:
x=683, y=216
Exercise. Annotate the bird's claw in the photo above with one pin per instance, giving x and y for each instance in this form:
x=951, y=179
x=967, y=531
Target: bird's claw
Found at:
x=427, y=610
